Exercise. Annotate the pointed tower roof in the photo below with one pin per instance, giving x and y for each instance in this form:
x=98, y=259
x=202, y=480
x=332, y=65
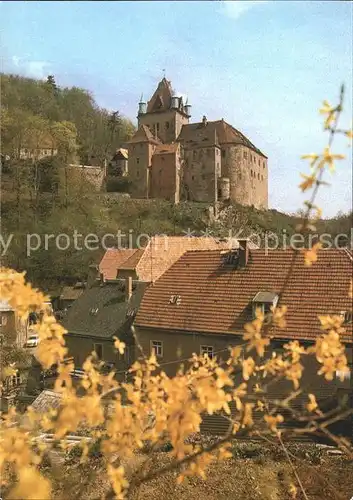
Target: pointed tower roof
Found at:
x=161, y=99
x=144, y=134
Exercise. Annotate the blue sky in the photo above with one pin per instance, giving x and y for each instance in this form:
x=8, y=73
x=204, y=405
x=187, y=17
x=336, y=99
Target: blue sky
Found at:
x=264, y=67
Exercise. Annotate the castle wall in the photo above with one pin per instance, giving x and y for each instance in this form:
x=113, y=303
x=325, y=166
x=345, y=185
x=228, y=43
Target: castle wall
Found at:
x=140, y=160
x=166, y=125
x=202, y=169
x=165, y=177
x=248, y=175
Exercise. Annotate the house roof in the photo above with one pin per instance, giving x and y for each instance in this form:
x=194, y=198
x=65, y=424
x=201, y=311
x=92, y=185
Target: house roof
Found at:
x=113, y=259
x=71, y=292
x=101, y=311
x=158, y=255
x=218, y=299
x=144, y=134
x=161, y=99
x=121, y=153
x=163, y=149
x=46, y=401
x=197, y=133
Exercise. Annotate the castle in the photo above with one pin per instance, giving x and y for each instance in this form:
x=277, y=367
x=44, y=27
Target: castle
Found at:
x=211, y=162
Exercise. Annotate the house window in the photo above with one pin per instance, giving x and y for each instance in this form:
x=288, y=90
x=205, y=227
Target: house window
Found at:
x=347, y=317
x=207, y=350
x=264, y=301
x=16, y=379
x=137, y=160
x=98, y=349
x=157, y=348
x=217, y=152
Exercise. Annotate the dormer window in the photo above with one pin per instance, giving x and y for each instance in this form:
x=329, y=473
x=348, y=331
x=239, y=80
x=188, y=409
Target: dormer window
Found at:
x=347, y=317
x=264, y=301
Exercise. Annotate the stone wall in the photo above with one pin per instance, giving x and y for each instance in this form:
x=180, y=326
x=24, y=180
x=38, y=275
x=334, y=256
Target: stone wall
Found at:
x=165, y=174
x=248, y=175
x=140, y=160
x=73, y=176
x=202, y=169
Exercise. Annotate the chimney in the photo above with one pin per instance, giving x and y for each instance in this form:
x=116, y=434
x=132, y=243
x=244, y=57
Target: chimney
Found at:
x=243, y=252
x=93, y=275
x=204, y=121
x=128, y=288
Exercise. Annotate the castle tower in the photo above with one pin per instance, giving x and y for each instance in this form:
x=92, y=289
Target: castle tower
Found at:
x=165, y=113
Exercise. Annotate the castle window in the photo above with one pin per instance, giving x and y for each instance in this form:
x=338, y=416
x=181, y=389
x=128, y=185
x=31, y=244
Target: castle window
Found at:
x=194, y=154
x=223, y=153
x=157, y=127
x=217, y=152
x=137, y=173
x=239, y=175
x=193, y=177
x=166, y=125
x=252, y=173
x=259, y=161
x=264, y=165
x=245, y=154
x=258, y=176
x=137, y=160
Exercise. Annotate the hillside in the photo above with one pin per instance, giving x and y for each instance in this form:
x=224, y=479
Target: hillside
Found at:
x=34, y=110
x=28, y=104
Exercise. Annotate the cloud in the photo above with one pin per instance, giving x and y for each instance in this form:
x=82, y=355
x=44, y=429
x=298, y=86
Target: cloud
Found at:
x=35, y=69
x=236, y=8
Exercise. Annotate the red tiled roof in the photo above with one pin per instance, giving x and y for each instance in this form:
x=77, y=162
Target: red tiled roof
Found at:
x=144, y=134
x=226, y=134
x=217, y=299
x=162, y=252
x=113, y=259
x=163, y=149
x=159, y=254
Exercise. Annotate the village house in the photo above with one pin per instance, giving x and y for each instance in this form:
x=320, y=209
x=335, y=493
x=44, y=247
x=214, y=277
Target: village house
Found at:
x=106, y=309
x=202, y=302
x=207, y=161
x=14, y=333
x=160, y=252
x=45, y=147
x=118, y=165
x=13, y=330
